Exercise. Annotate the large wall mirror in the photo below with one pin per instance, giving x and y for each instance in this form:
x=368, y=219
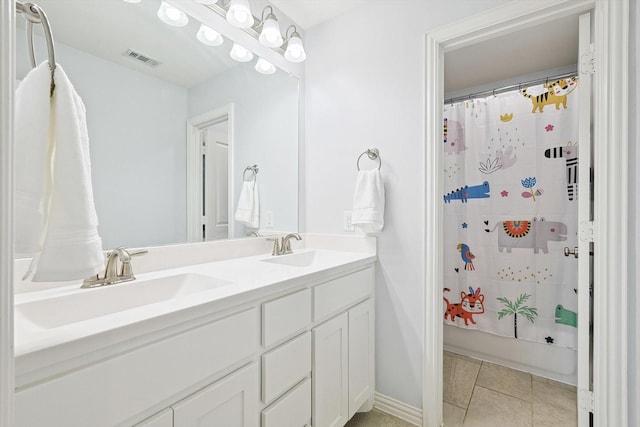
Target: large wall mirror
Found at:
x=173, y=124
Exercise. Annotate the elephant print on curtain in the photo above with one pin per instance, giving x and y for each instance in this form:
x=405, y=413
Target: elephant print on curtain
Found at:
x=510, y=207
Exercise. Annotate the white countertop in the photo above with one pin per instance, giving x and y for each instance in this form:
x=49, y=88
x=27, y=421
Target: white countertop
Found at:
x=42, y=350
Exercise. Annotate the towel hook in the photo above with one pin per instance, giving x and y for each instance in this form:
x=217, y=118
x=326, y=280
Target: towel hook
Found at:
x=373, y=154
x=254, y=169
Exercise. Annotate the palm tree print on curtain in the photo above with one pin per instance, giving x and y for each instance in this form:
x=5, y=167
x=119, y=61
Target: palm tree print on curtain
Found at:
x=513, y=308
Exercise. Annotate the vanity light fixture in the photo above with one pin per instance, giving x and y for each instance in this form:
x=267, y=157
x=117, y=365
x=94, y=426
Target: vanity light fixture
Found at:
x=172, y=15
x=239, y=14
x=209, y=36
x=294, y=50
x=240, y=53
x=270, y=34
x=265, y=67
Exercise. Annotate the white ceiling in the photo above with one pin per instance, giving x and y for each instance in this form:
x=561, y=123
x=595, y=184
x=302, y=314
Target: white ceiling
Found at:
x=524, y=52
x=309, y=13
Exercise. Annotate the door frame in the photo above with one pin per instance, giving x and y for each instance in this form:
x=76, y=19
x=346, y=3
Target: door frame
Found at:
x=194, y=167
x=611, y=29
x=7, y=82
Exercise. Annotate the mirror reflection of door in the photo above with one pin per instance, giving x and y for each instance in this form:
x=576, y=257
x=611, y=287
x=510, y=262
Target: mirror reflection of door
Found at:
x=215, y=182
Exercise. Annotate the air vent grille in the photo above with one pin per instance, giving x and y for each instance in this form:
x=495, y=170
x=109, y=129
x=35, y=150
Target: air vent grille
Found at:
x=140, y=57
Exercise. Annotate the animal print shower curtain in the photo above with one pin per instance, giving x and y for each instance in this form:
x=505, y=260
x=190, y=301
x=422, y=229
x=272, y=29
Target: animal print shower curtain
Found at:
x=510, y=208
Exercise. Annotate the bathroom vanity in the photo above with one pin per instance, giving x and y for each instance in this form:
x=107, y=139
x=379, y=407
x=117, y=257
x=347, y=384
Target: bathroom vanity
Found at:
x=246, y=341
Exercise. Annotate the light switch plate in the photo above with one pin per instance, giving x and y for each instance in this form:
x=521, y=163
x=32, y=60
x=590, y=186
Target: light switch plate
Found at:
x=268, y=219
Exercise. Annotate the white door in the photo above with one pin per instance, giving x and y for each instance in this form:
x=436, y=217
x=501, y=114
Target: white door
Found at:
x=585, y=218
x=231, y=402
x=215, y=182
x=330, y=373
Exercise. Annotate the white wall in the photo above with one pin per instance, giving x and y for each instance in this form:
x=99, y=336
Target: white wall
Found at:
x=265, y=133
x=138, y=157
x=634, y=218
x=365, y=88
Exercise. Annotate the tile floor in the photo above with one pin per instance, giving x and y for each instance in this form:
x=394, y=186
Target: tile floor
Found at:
x=481, y=394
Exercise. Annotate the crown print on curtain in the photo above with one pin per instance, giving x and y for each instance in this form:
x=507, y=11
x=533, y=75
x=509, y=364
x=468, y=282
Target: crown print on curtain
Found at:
x=510, y=207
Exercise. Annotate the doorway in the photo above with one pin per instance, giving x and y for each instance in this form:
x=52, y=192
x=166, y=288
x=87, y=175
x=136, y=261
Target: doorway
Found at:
x=469, y=32
x=209, y=172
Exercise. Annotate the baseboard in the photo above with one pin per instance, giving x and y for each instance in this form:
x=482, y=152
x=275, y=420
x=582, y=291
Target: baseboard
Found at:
x=398, y=409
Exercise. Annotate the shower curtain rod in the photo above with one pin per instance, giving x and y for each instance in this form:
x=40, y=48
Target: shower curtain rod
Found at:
x=504, y=89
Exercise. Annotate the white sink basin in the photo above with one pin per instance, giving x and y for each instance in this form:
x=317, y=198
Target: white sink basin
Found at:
x=297, y=259
x=87, y=304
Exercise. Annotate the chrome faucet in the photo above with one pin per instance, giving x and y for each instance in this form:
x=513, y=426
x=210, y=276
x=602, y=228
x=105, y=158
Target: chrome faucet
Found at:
x=282, y=246
x=111, y=273
x=276, y=245
x=285, y=246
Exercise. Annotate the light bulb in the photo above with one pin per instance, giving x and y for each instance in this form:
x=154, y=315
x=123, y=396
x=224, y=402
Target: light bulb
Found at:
x=240, y=53
x=295, y=51
x=209, y=36
x=239, y=14
x=265, y=67
x=270, y=35
x=172, y=16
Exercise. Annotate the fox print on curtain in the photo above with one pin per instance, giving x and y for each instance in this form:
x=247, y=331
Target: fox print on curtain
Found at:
x=510, y=208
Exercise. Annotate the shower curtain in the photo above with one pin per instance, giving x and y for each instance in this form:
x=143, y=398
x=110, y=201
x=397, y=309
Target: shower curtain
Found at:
x=510, y=208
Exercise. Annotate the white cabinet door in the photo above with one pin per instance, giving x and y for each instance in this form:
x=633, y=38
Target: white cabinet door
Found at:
x=230, y=402
x=161, y=419
x=330, y=373
x=361, y=355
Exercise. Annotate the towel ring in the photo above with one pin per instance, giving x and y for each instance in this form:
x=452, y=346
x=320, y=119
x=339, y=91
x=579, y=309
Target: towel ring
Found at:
x=373, y=154
x=254, y=169
x=35, y=15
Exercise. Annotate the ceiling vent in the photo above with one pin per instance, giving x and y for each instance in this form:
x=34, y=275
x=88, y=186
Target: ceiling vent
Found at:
x=140, y=57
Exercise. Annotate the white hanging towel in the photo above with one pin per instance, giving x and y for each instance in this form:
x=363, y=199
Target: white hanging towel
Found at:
x=368, y=201
x=248, y=209
x=56, y=221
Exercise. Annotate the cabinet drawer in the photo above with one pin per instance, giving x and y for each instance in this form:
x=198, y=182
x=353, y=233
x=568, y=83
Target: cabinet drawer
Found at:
x=152, y=374
x=285, y=316
x=285, y=366
x=340, y=293
x=293, y=410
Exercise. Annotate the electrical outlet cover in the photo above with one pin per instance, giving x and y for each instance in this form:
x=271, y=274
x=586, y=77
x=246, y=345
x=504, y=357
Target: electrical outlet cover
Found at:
x=347, y=225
